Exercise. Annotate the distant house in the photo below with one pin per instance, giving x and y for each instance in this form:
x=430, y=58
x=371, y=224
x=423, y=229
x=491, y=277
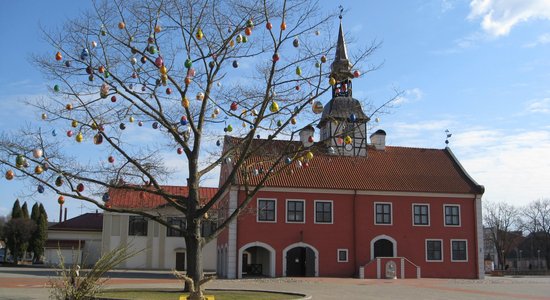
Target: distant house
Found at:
x=77, y=240
x=163, y=248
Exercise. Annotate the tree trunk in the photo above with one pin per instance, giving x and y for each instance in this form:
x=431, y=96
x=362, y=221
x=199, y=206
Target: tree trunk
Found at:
x=194, y=260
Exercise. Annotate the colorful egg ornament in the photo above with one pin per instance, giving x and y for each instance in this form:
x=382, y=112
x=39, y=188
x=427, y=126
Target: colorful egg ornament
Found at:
x=44, y=116
x=332, y=81
x=84, y=54
x=268, y=25
x=67, y=63
x=69, y=133
x=40, y=189
x=37, y=153
x=188, y=63
x=155, y=125
x=296, y=43
x=298, y=71
x=356, y=73
x=276, y=57
x=323, y=59
x=111, y=159
x=235, y=64
x=80, y=188
x=274, y=107
x=180, y=151
x=56, y=88
x=10, y=174
x=113, y=98
x=199, y=34
x=121, y=25
x=38, y=170
x=98, y=139
x=58, y=56
x=234, y=106
x=317, y=107
x=283, y=25
x=59, y=181
x=79, y=137
x=200, y=96
x=183, y=120
x=61, y=200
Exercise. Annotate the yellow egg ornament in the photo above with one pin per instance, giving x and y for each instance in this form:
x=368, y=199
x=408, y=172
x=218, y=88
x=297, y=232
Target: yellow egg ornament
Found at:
x=274, y=107
x=347, y=140
x=163, y=70
x=38, y=170
x=79, y=137
x=199, y=35
x=332, y=81
x=309, y=155
x=74, y=123
x=185, y=102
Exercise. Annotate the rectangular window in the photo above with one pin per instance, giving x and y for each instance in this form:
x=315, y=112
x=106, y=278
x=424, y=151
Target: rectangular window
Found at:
x=342, y=255
x=295, y=211
x=421, y=214
x=137, y=225
x=266, y=210
x=433, y=250
x=452, y=215
x=177, y=222
x=323, y=212
x=458, y=250
x=383, y=213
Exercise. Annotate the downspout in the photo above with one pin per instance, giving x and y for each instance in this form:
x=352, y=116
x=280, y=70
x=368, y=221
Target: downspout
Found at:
x=354, y=231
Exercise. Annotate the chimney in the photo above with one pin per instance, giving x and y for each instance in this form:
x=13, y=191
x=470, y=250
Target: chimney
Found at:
x=65, y=219
x=378, y=139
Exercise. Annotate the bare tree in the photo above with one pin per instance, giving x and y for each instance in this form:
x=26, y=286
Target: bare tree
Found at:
x=502, y=220
x=161, y=64
x=536, y=221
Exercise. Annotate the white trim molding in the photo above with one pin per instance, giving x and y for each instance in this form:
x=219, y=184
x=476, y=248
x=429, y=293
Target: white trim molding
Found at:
x=391, y=213
x=315, y=211
x=338, y=255
x=426, y=250
x=272, y=257
x=301, y=244
x=479, y=234
x=380, y=237
x=445, y=205
x=231, y=248
x=258, y=210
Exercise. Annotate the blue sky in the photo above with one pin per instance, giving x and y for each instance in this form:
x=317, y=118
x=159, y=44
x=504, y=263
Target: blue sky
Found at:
x=480, y=69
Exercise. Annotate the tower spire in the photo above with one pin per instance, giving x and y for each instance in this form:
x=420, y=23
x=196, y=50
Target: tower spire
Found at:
x=341, y=66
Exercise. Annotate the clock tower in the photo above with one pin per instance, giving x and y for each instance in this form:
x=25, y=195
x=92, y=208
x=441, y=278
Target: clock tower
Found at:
x=343, y=123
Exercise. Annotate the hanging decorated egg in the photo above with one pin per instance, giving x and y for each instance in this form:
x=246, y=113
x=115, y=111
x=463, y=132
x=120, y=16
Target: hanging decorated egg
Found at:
x=70, y=133
x=74, y=123
x=248, y=31
x=89, y=70
x=279, y=123
x=231, y=43
x=249, y=23
x=104, y=90
x=276, y=57
x=239, y=38
x=168, y=91
x=67, y=63
x=44, y=116
x=353, y=118
x=298, y=71
x=79, y=137
x=121, y=25
x=98, y=139
x=199, y=34
x=309, y=155
x=105, y=197
x=133, y=60
x=218, y=143
x=200, y=96
x=229, y=128
x=317, y=107
x=37, y=153
x=101, y=69
x=94, y=44
x=56, y=88
x=347, y=140
x=234, y=106
x=113, y=98
x=288, y=160
x=274, y=107
x=20, y=160
x=10, y=174
x=377, y=120
x=185, y=102
x=84, y=54
x=356, y=73
x=38, y=170
x=54, y=133
x=58, y=56
x=293, y=121
x=180, y=151
x=80, y=188
x=317, y=32
x=61, y=200
x=122, y=126
x=91, y=77
x=332, y=81
x=183, y=120
x=155, y=125
x=298, y=164
x=323, y=59
x=188, y=63
x=40, y=188
x=159, y=61
x=268, y=25
x=59, y=181
x=317, y=64
x=235, y=64
x=245, y=39
x=158, y=28
x=296, y=43
x=283, y=25
x=310, y=139
x=152, y=49
x=187, y=80
x=111, y=159
x=331, y=150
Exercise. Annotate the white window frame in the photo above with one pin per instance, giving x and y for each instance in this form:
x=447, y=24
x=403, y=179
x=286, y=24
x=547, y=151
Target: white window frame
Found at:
x=257, y=210
x=459, y=215
x=338, y=255
x=429, y=214
x=286, y=211
x=391, y=214
x=426, y=250
x=451, y=249
x=315, y=212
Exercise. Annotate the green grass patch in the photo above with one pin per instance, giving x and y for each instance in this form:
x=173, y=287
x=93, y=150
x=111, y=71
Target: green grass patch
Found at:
x=174, y=295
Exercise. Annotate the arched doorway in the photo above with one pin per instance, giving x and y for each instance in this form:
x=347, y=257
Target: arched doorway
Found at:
x=383, y=246
x=256, y=259
x=300, y=260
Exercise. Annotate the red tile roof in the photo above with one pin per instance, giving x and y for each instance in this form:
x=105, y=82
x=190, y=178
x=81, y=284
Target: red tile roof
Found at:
x=395, y=169
x=85, y=222
x=131, y=199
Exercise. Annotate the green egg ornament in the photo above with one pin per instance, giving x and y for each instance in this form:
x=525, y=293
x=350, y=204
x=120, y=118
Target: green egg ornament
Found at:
x=188, y=63
x=56, y=88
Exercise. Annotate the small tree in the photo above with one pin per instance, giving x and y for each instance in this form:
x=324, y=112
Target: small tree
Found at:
x=18, y=232
x=38, y=239
x=161, y=64
x=502, y=219
x=25, y=211
x=536, y=220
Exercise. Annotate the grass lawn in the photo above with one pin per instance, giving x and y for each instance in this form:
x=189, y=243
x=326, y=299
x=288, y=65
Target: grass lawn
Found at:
x=173, y=295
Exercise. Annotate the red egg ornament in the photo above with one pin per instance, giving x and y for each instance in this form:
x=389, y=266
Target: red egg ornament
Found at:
x=113, y=99
x=234, y=106
x=80, y=188
x=61, y=200
x=180, y=151
x=276, y=57
x=10, y=174
x=268, y=25
x=356, y=73
x=58, y=56
x=111, y=159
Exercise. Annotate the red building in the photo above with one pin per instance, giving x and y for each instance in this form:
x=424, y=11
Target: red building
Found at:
x=358, y=209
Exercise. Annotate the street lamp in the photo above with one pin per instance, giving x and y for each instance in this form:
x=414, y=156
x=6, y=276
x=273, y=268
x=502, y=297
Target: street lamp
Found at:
x=538, y=259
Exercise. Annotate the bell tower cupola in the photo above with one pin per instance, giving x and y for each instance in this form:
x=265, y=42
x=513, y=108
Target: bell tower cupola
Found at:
x=343, y=123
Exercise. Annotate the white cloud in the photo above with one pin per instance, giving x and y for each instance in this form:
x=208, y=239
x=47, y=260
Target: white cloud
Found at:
x=447, y=5
x=409, y=95
x=539, y=106
x=541, y=40
x=499, y=16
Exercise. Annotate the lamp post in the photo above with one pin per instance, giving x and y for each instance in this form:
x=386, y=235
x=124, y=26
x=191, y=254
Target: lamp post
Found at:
x=519, y=262
x=538, y=259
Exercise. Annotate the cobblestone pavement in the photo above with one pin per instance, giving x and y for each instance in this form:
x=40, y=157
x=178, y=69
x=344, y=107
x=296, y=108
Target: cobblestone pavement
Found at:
x=30, y=283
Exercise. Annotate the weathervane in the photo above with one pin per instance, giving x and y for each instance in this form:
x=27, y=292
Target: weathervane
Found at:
x=341, y=10
x=449, y=134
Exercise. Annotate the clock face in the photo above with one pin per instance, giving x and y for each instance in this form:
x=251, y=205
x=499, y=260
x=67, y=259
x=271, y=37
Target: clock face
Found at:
x=348, y=147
